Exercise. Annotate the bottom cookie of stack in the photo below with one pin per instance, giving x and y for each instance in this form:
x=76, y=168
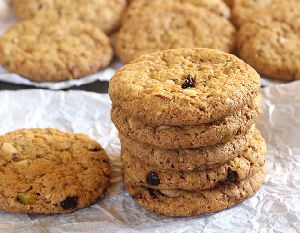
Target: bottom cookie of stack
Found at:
x=187, y=203
x=175, y=191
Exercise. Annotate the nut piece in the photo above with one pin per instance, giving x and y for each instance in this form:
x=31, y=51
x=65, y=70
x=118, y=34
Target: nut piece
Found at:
x=7, y=151
x=190, y=92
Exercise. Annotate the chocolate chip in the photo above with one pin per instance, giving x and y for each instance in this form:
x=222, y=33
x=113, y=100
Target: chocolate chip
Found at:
x=69, y=203
x=189, y=82
x=152, y=193
x=95, y=149
x=231, y=177
x=153, y=179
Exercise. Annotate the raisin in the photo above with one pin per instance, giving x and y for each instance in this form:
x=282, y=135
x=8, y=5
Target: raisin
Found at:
x=153, y=179
x=152, y=193
x=231, y=177
x=95, y=149
x=189, y=82
x=69, y=203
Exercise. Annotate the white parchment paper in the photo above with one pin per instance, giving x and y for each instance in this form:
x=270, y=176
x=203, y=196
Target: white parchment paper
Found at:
x=7, y=19
x=275, y=208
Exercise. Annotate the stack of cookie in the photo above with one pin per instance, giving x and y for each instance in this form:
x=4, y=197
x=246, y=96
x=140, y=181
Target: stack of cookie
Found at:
x=186, y=121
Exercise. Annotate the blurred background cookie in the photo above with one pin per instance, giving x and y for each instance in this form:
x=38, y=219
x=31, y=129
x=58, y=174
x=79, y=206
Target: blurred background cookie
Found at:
x=269, y=42
x=158, y=27
x=43, y=50
x=104, y=14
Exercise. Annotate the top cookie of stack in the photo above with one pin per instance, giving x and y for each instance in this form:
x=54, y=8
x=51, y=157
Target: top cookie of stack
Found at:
x=184, y=87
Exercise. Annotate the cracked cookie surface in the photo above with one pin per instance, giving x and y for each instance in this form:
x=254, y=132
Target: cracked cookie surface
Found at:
x=104, y=14
x=239, y=168
x=54, y=50
x=170, y=26
x=176, y=137
x=154, y=87
x=46, y=171
x=184, y=203
x=279, y=56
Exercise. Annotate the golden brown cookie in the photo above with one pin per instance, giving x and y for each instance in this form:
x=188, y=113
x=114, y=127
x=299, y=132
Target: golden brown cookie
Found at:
x=105, y=14
x=185, y=203
x=46, y=171
x=243, y=10
x=190, y=159
x=54, y=50
x=270, y=41
x=170, y=26
x=216, y=6
x=184, y=87
x=240, y=168
x=175, y=137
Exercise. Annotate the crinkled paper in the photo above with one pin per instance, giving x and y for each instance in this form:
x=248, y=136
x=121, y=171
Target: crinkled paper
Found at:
x=275, y=208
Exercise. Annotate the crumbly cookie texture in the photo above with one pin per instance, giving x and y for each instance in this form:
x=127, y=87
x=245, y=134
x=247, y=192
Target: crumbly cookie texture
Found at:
x=184, y=86
x=54, y=50
x=243, y=10
x=216, y=6
x=104, y=14
x=185, y=160
x=279, y=57
x=46, y=171
x=176, y=137
x=240, y=168
x=170, y=26
x=184, y=203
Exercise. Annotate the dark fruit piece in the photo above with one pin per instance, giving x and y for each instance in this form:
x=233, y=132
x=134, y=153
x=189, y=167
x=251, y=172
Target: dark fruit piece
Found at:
x=231, y=177
x=95, y=149
x=153, y=179
x=152, y=193
x=189, y=82
x=69, y=203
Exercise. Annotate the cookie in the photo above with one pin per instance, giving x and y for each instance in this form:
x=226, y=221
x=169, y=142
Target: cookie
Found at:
x=54, y=50
x=46, y=171
x=184, y=86
x=104, y=14
x=243, y=166
x=176, y=137
x=243, y=10
x=170, y=26
x=279, y=57
x=216, y=6
x=184, y=160
x=185, y=203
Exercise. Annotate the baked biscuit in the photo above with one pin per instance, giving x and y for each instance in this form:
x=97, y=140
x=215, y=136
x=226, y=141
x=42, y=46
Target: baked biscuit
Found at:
x=170, y=26
x=216, y=6
x=240, y=168
x=270, y=41
x=185, y=203
x=184, y=87
x=46, y=171
x=176, y=137
x=104, y=14
x=243, y=10
x=185, y=160
x=54, y=50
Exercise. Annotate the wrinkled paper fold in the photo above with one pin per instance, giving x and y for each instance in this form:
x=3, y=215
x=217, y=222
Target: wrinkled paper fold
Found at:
x=275, y=208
